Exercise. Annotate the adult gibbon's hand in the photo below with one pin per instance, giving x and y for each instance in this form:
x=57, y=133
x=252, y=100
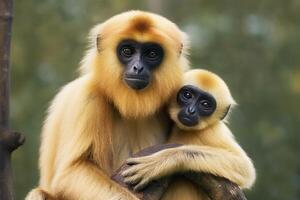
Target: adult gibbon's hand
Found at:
x=155, y=189
x=217, y=188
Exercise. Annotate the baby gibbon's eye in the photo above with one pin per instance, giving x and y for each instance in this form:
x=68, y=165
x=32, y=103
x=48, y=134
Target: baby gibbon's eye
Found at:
x=205, y=103
x=187, y=95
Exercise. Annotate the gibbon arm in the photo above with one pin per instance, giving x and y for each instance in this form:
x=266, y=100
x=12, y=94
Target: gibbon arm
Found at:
x=156, y=189
x=84, y=180
x=217, y=188
x=235, y=167
x=70, y=169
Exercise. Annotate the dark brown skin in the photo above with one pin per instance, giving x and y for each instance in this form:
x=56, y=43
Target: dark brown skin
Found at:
x=217, y=188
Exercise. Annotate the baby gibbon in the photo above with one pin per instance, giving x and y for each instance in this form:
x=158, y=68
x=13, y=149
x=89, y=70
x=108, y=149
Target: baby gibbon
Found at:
x=199, y=111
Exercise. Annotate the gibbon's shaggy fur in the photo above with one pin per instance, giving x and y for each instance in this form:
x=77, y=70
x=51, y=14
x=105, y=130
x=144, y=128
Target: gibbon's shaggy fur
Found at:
x=96, y=122
x=208, y=147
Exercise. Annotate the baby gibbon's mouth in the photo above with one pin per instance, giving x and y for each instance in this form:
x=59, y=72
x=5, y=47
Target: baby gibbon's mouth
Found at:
x=187, y=121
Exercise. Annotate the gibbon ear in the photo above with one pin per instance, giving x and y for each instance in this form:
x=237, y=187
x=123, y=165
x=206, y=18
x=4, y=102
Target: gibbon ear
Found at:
x=226, y=112
x=95, y=36
x=180, y=49
x=98, y=41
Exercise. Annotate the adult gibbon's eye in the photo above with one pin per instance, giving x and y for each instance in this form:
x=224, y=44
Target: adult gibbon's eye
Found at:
x=152, y=54
x=187, y=95
x=127, y=51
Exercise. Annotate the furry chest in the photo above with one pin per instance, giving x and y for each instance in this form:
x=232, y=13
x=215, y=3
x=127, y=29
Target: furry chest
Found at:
x=130, y=136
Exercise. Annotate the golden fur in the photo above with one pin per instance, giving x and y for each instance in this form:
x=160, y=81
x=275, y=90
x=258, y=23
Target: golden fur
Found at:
x=208, y=147
x=96, y=122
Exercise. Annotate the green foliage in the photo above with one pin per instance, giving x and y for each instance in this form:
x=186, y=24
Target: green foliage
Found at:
x=253, y=45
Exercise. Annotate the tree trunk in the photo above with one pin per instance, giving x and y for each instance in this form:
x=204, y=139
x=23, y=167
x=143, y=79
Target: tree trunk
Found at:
x=9, y=141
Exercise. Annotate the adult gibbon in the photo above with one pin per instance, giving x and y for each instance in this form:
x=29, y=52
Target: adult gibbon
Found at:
x=198, y=110
x=114, y=108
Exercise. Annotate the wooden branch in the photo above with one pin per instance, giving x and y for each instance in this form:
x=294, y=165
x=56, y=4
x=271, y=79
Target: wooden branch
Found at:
x=216, y=188
x=9, y=141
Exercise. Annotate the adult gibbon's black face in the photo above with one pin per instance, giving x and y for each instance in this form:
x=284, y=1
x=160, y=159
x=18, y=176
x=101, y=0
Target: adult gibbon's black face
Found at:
x=139, y=59
x=194, y=104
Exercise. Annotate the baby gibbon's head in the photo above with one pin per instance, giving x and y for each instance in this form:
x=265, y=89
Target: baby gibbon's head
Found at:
x=203, y=100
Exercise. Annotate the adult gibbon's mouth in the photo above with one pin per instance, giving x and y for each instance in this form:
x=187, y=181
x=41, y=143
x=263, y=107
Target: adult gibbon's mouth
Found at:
x=136, y=82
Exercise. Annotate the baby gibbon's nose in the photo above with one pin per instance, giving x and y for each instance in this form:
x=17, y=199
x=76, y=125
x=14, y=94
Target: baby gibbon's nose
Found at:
x=191, y=110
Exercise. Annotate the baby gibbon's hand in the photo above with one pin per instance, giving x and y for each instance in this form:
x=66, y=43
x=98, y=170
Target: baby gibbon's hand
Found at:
x=145, y=169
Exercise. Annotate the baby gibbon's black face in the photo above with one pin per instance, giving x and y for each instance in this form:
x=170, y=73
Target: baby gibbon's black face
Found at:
x=194, y=104
x=139, y=59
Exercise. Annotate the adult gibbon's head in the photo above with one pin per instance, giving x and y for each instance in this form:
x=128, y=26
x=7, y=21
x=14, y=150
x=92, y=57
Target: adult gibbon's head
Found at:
x=137, y=59
x=203, y=100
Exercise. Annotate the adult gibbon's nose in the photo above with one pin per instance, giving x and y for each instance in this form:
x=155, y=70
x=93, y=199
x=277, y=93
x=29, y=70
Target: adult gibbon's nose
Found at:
x=138, y=68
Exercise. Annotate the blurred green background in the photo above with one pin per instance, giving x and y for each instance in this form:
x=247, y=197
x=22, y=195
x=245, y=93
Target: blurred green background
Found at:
x=253, y=45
